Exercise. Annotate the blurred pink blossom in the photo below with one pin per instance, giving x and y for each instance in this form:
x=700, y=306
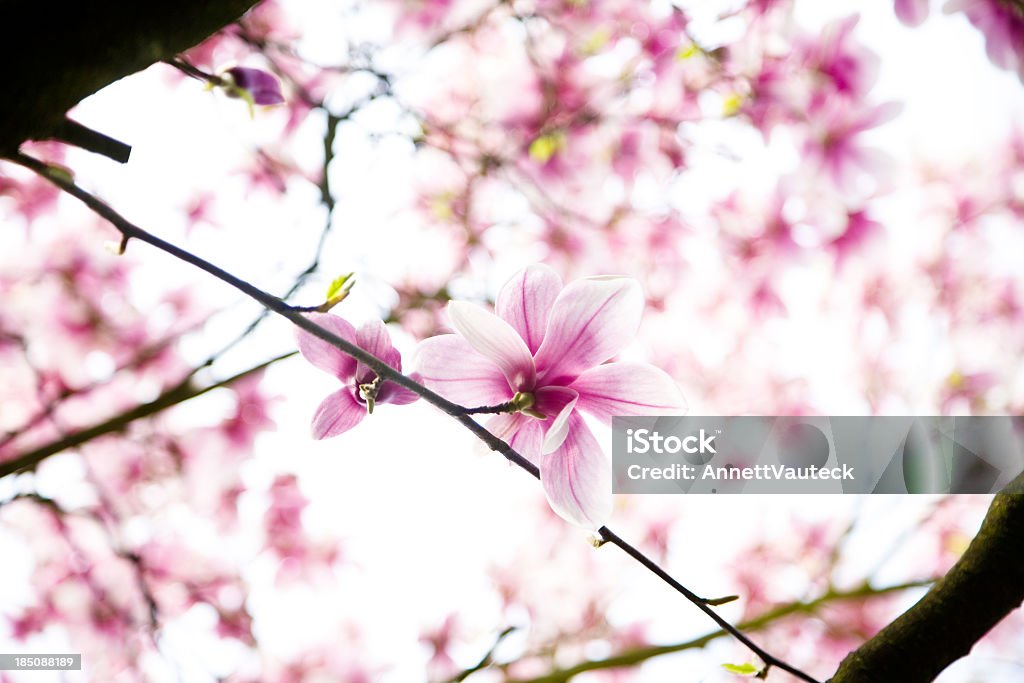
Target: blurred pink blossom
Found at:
x=911, y=12
x=1002, y=22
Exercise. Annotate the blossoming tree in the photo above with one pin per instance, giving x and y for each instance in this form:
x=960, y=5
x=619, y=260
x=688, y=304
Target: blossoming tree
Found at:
x=554, y=213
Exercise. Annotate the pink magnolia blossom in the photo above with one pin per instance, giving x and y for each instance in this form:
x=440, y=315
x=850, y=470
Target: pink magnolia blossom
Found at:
x=345, y=408
x=542, y=353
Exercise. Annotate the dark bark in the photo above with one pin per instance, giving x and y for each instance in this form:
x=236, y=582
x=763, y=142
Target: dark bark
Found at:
x=67, y=51
x=985, y=585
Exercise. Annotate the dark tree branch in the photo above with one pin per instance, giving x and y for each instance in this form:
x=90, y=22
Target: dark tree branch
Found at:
x=78, y=135
x=85, y=46
x=985, y=585
x=384, y=371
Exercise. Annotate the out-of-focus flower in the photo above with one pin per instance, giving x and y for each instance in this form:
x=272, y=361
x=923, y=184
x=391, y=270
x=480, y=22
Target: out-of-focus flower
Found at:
x=345, y=408
x=1002, y=22
x=911, y=12
x=255, y=84
x=541, y=355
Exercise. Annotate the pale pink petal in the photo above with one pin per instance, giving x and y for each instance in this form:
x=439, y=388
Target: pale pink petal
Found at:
x=374, y=338
x=556, y=403
x=525, y=302
x=911, y=12
x=521, y=432
x=450, y=366
x=505, y=425
x=527, y=439
x=591, y=321
x=398, y=395
x=325, y=355
x=494, y=338
x=577, y=478
x=627, y=389
x=338, y=413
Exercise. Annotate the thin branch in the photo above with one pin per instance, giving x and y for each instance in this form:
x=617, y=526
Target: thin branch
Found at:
x=642, y=654
x=326, y=198
x=384, y=371
x=486, y=660
x=139, y=361
x=181, y=392
x=770, y=660
x=189, y=69
x=506, y=407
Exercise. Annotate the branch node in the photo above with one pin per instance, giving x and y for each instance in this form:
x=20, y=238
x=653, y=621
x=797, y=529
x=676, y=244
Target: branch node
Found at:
x=716, y=602
x=118, y=248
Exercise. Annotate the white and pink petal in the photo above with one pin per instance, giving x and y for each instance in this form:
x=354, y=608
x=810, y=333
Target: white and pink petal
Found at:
x=627, y=389
x=452, y=368
x=525, y=302
x=373, y=338
x=496, y=340
x=324, y=354
x=556, y=403
x=337, y=414
x=591, y=320
x=577, y=478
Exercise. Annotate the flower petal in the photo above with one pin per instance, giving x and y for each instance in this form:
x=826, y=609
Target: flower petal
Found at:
x=522, y=433
x=398, y=395
x=505, y=425
x=628, y=389
x=591, y=321
x=325, y=355
x=525, y=302
x=338, y=413
x=527, y=439
x=577, y=478
x=373, y=337
x=263, y=87
x=557, y=404
x=450, y=366
x=495, y=339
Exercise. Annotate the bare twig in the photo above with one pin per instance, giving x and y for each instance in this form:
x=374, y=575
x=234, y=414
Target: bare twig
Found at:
x=642, y=654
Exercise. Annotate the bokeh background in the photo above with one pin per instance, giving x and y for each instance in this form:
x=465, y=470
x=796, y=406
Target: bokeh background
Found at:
x=822, y=201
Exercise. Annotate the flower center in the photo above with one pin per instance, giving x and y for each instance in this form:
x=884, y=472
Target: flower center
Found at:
x=523, y=402
x=368, y=392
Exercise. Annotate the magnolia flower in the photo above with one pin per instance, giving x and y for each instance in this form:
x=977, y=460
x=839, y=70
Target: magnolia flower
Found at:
x=345, y=408
x=254, y=84
x=541, y=357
